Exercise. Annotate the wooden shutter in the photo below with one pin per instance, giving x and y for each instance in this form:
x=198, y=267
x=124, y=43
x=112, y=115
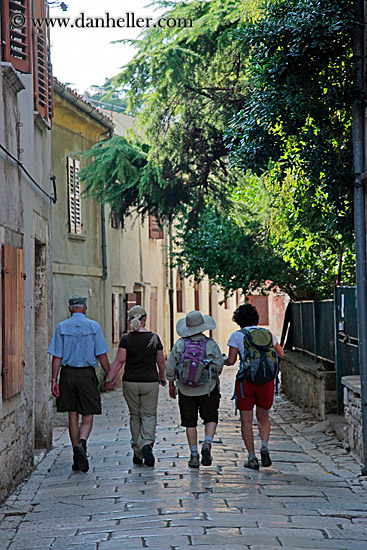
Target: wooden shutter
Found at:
x=226, y=302
x=153, y=312
x=155, y=230
x=16, y=42
x=115, y=317
x=197, y=296
x=261, y=304
x=130, y=300
x=238, y=296
x=42, y=68
x=12, y=321
x=179, y=293
x=75, y=213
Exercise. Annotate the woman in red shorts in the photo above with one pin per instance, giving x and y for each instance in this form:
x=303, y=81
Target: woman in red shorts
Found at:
x=261, y=395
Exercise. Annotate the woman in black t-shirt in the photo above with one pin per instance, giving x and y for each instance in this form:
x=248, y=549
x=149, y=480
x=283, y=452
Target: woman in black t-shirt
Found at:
x=142, y=352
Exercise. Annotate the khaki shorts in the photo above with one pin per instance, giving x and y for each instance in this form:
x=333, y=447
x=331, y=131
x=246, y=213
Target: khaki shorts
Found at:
x=79, y=391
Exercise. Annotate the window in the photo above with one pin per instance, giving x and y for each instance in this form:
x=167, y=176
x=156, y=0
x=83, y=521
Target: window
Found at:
x=117, y=222
x=155, y=230
x=197, y=295
x=238, y=297
x=75, y=214
x=16, y=42
x=261, y=304
x=153, y=311
x=42, y=68
x=12, y=321
x=179, y=292
x=118, y=316
x=226, y=302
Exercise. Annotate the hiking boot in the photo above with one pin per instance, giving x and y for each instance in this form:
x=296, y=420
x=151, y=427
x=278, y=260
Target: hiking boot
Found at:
x=137, y=460
x=148, y=455
x=194, y=461
x=252, y=463
x=265, y=457
x=80, y=456
x=206, y=457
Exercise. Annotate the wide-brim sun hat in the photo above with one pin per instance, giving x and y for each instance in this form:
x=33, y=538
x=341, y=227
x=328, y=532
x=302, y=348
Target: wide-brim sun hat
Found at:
x=194, y=323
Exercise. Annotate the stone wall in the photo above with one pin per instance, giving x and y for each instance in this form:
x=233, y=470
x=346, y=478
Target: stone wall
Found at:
x=308, y=384
x=16, y=451
x=353, y=414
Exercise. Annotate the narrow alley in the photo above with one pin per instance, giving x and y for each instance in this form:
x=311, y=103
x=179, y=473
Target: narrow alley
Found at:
x=312, y=496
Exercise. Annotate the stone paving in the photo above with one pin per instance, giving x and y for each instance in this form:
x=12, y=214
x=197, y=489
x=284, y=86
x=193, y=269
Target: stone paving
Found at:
x=312, y=496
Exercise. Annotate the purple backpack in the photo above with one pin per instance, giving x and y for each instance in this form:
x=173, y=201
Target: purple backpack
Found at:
x=192, y=370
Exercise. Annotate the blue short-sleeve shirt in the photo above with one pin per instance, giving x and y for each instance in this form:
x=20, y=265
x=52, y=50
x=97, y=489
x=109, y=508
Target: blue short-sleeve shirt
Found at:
x=78, y=341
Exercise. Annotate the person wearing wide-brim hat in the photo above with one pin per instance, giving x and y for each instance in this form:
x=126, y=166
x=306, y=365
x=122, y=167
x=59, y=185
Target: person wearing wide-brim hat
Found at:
x=198, y=390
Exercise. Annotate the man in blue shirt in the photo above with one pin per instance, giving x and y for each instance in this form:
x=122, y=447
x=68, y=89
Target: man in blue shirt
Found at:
x=76, y=347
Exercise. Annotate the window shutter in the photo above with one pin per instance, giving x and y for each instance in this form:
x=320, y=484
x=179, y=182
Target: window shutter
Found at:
x=12, y=321
x=261, y=304
x=16, y=41
x=197, y=296
x=155, y=231
x=75, y=213
x=115, y=317
x=179, y=293
x=43, y=83
x=153, y=312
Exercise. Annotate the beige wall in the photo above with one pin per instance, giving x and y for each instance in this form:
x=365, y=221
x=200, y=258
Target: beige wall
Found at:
x=25, y=418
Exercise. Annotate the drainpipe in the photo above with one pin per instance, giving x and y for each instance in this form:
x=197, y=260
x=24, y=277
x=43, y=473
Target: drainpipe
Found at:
x=359, y=217
x=104, y=243
x=171, y=291
x=109, y=134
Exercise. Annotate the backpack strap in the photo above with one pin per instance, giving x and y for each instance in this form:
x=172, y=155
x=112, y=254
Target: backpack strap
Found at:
x=247, y=335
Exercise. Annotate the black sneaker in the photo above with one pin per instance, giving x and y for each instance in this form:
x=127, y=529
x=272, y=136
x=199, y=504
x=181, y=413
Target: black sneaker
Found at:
x=265, y=457
x=80, y=457
x=75, y=467
x=206, y=457
x=252, y=463
x=194, y=461
x=149, y=459
x=137, y=460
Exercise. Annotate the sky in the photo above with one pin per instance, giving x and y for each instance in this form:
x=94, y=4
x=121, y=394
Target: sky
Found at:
x=86, y=57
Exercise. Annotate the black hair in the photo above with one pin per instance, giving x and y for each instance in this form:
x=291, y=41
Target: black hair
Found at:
x=246, y=315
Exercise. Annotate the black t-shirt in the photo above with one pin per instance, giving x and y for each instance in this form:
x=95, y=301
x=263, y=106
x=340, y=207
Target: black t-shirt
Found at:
x=140, y=363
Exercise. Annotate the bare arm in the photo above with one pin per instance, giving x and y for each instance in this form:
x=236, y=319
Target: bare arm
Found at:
x=103, y=359
x=56, y=364
x=232, y=356
x=161, y=366
x=279, y=350
x=117, y=364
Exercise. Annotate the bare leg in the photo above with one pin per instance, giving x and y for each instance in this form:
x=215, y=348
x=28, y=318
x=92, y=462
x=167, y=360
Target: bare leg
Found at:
x=247, y=431
x=263, y=423
x=74, y=428
x=210, y=428
x=192, y=436
x=86, y=426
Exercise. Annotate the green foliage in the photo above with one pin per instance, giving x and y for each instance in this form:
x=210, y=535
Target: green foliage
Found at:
x=185, y=84
x=277, y=83
x=301, y=73
x=233, y=251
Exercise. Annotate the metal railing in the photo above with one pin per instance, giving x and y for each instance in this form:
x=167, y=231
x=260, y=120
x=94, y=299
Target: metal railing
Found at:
x=313, y=329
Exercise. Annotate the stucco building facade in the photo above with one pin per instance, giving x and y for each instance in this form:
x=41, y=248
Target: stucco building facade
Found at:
x=26, y=195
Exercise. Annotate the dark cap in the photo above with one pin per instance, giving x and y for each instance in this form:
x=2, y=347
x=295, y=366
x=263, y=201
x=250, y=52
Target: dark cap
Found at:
x=77, y=300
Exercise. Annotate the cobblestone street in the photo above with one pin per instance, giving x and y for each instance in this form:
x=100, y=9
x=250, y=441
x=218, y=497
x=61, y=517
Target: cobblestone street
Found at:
x=312, y=496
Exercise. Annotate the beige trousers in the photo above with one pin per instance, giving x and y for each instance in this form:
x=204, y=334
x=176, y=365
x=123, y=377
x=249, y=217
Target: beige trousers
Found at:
x=142, y=400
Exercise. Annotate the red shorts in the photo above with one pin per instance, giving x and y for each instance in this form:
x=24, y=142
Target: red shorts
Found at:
x=261, y=395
